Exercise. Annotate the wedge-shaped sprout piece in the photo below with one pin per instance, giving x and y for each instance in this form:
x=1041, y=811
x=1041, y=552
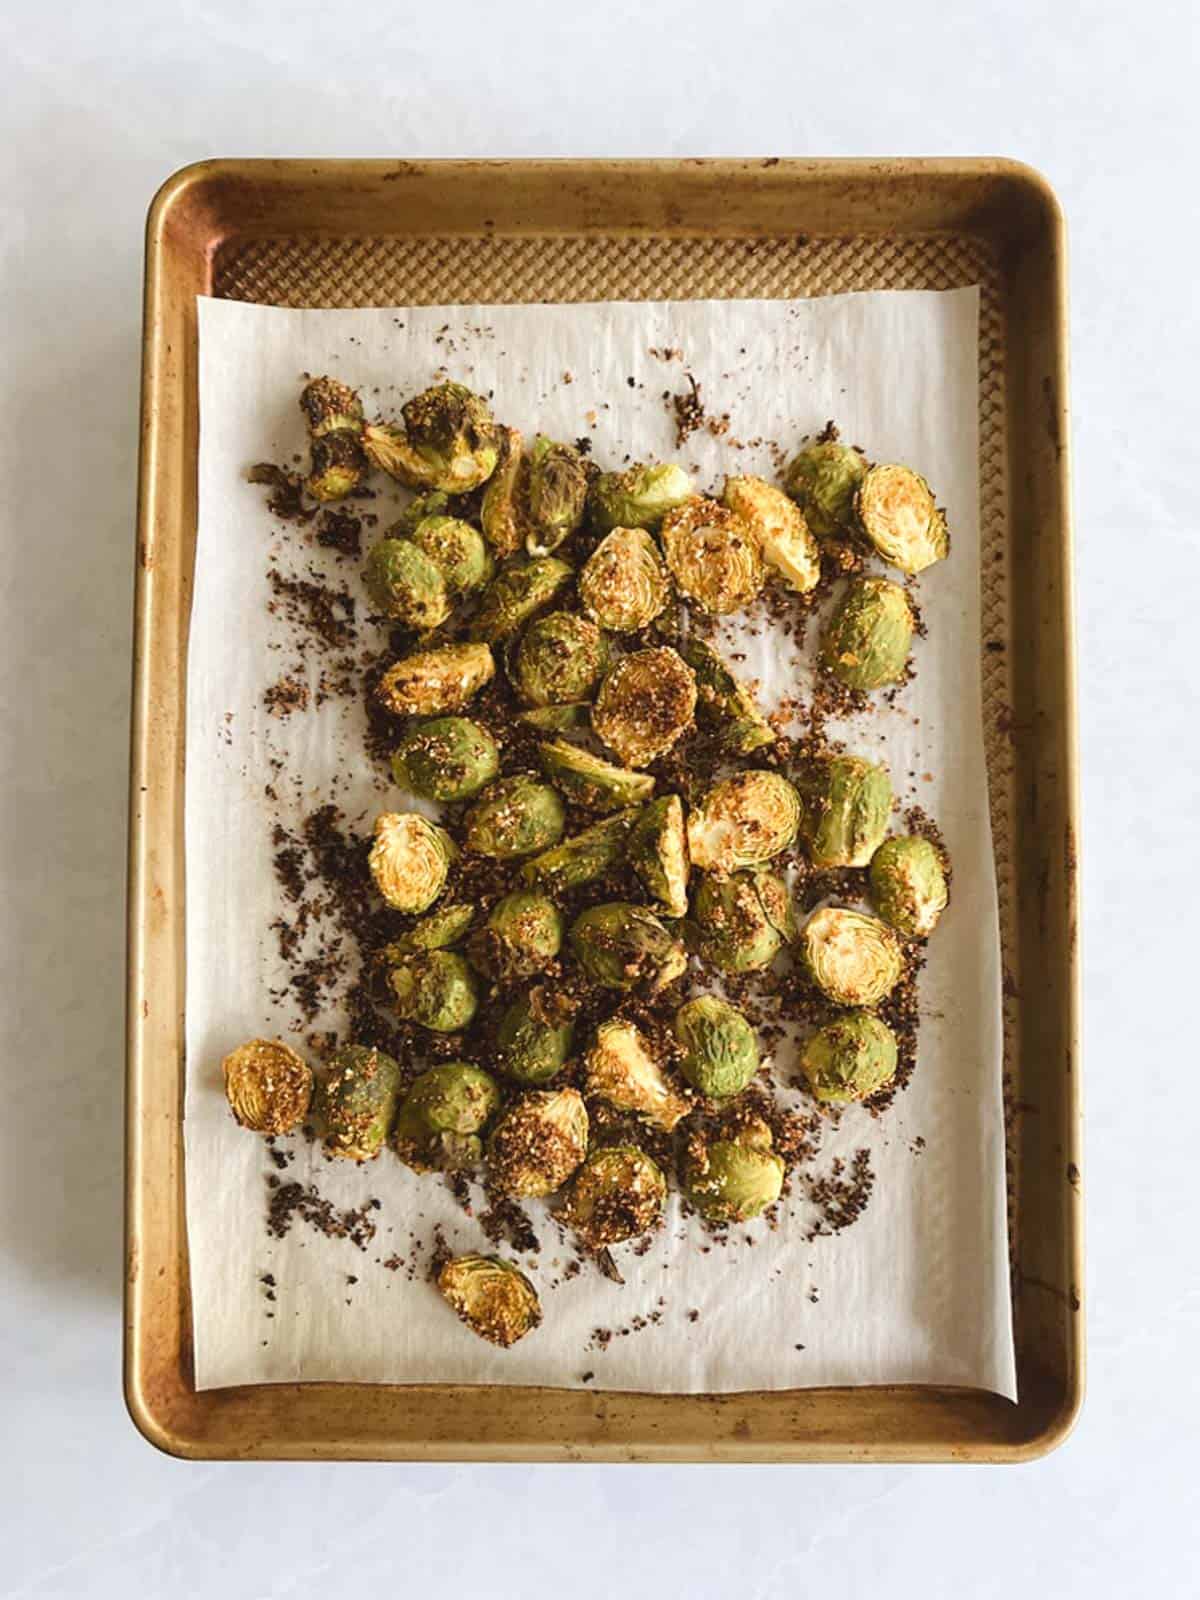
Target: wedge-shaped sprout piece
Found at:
x=639, y=497
x=560, y=658
x=725, y=707
x=433, y=504
x=522, y=935
x=622, y=1069
x=557, y=493
x=720, y=1048
x=846, y=803
x=557, y=719
x=409, y=860
x=330, y=406
x=448, y=441
x=850, y=1058
x=440, y=930
x=743, y=821
x=516, y=594
x=790, y=551
x=624, y=584
x=504, y=512
x=442, y=1117
x=429, y=683
x=535, y=1035
x=854, y=959
x=867, y=639
x=584, y=856
x=742, y=922
x=618, y=1194
x=538, y=1143
x=908, y=884
x=896, y=511
x=625, y=946
x=403, y=583
x=658, y=853
x=435, y=989
x=713, y=556
x=356, y=1101
x=450, y=758
x=735, y=1177
x=645, y=704
x=514, y=817
x=268, y=1086
x=457, y=550
x=823, y=480
x=336, y=466
x=589, y=780
x=492, y=1297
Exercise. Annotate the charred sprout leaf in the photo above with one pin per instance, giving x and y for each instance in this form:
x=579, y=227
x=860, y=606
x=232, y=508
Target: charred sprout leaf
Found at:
x=742, y=922
x=622, y=1070
x=403, y=583
x=658, y=853
x=908, y=884
x=854, y=959
x=514, y=817
x=637, y=498
x=534, y=1038
x=330, y=406
x=436, y=989
x=448, y=441
x=823, y=480
x=560, y=659
x=590, y=781
x=724, y=705
x=850, y=1058
x=433, y=504
x=624, y=584
x=336, y=466
x=442, y=1117
x=558, y=487
x=645, y=704
x=720, y=1048
x=268, y=1086
x=450, y=758
x=618, y=1194
x=557, y=719
x=505, y=509
x=356, y=1101
x=788, y=548
x=584, y=856
x=432, y=682
x=516, y=594
x=440, y=930
x=624, y=946
x=538, y=1143
x=492, y=1297
x=457, y=550
x=713, y=556
x=522, y=935
x=846, y=803
x=896, y=511
x=743, y=821
x=409, y=860
x=734, y=1178
x=867, y=639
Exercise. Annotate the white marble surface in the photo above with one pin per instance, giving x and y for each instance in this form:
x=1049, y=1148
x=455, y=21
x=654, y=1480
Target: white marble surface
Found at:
x=100, y=103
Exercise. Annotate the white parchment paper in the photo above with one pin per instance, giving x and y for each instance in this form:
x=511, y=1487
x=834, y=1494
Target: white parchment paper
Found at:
x=917, y=1290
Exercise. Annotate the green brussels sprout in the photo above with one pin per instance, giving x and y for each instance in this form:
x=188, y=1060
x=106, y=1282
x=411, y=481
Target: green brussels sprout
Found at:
x=846, y=803
x=617, y=1194
x=823, y=480
x=645, y=705
x=557, y=719
x=735, y=1177
x=713, y=556
x=522, y=935
x=336, y=465
x=624, y=584
x=625, y=946
x=429, y=683
x=538, y=1143
x=268, y=1086
x=720, y=1048
x=403, y=583
x=867, y=639
x=743, y=821
x=621, y=1069
x=560, y=659
x=409, y=860
x=788, y=548
x=725, y=707
x=450, y=758
x=448, y=441
x=492, y=1297
x=534, y=1038
x=516, y=594
x=896, y=511
x=504, y=512
x=514, y=817
x=637, y=498
x=658, y=853
x=850, y=1058
x=436, y=989
x=457, y=550
x=442, y=1117
x=434, y=504
x=356, y=1101
x=558, y=486
x=441, y=929
x=590, y=781
x=584, y=856
x=854, y=959
x=742, y=922
x=330, y=406
x=908, y=884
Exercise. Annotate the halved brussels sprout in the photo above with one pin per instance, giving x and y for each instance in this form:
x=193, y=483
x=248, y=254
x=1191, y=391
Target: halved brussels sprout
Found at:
x=561, y=658
x=720, y=1048
x=854, y=959
x=846, y=803
x=639, y=497
x=514, y=817
x=618, y=1194
x=441, y=929
x=896, y=511
x=713, y=556
x=448, y=441
x=336, y=466
x=522, y=935
x=403, y=583
x=590, y=781
x=743, y=921
x=787, y=546
x=268, y=1086
x=431, y=682
x=330, y=406
x=624, y=584
x=558, y=486
x=584, y=856
x=442, y=1117
x=725, y=707
x=436, y=989
x=622, y=1070
x=518, y=592
x=823, y=480
x=457, y=550
x=850, y=1058
x=658, y=853
x=356, y=1101
x=450, y=758
x=409, y=860
x=538, y=1143
x=645, y=705
x=743, y=821
x=624, y=946
x=557, y=719
x=504, y=512
x=492, y=1297
x=908, y=884
x=867, y=639
x=434, y=504
x=735, y=1177
x=534, y=1038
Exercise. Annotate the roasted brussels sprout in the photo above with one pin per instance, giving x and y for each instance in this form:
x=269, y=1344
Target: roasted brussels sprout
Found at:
x=336, y=466
x=742, y=922
x=558, y=486
x=538, y=1143
x=448, y=441
x=624, y=584
x=268, y=1086
x=409, y=860
x=522, y=935
x=330, y=406
x=590, y=781
x=846, y=803
x=557, y=719
x=518, y=592
x=637, y=498
x=561, y=658
x=403, y=583
x=823, y=480
x=492, y=1297
x=535, y=1034
x=784, y=540
x=725, y=707
x=450, y=758
x=504, y=512
x=442, y=1117
x=867, y=639
x=713, y=556
x=743, y=821
x=429, y=683
x=356, y=1101
x=621, y=1069
x=457, y=550
x=584, y=856
x=645, y=704
x=896, y=511
x=618, y=1194
x=908, y=884
x=436, y=989
x=441, y=929
x=514, y=817
x=624, y=946
x=850, y=1058
x=854, y=959
x=720, y=1048
x=433, y=504
x=658, y=853
x=734, y=1177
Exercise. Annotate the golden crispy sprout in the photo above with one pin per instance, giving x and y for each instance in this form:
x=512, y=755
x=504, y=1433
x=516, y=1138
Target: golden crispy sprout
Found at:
x=645, y=704
x=491, y=1296
x=268, y=1086
x=713, y=556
